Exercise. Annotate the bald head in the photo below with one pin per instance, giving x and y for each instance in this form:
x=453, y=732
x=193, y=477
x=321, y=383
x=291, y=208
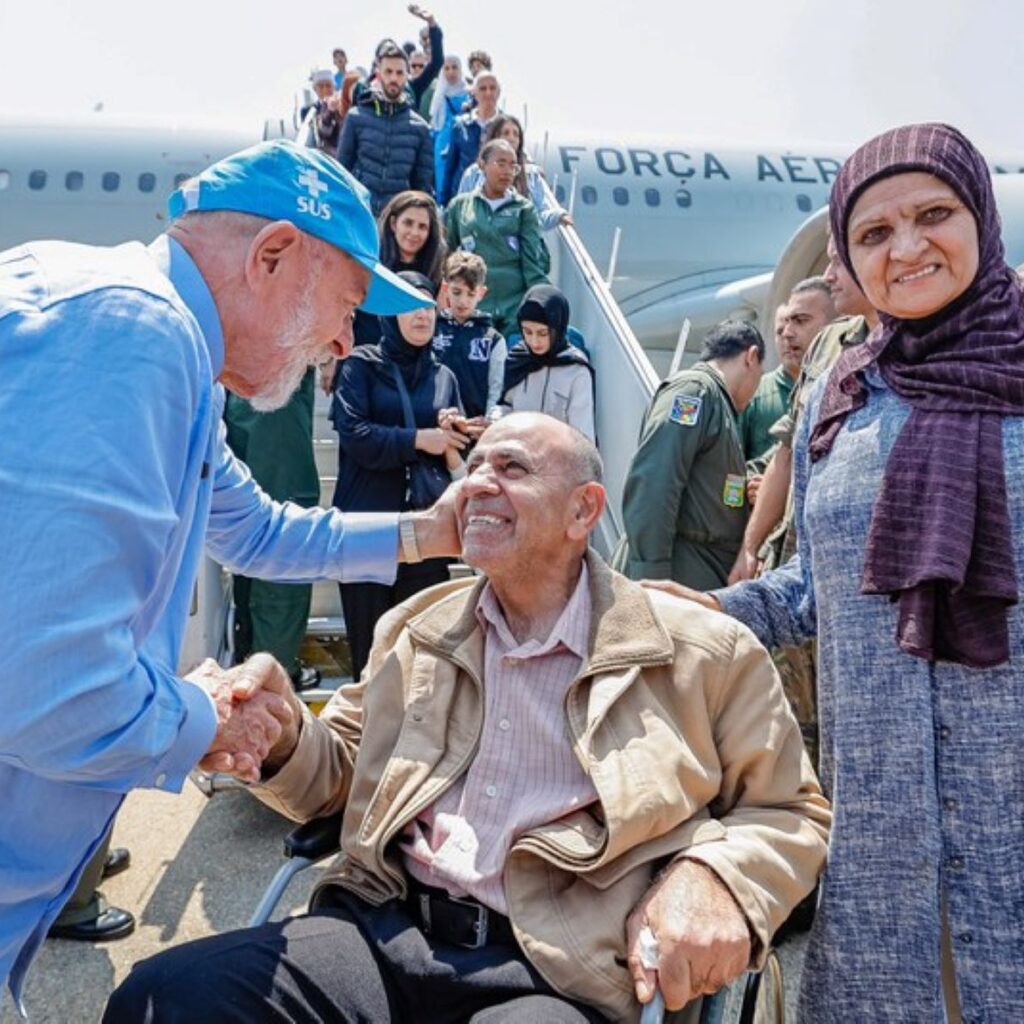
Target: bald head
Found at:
x=581, y=461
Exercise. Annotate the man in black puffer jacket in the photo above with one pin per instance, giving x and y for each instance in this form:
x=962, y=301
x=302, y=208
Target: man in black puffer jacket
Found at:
x=384, y=142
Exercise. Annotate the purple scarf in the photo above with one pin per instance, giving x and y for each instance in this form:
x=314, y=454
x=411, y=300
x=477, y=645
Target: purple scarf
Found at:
x=940, y=540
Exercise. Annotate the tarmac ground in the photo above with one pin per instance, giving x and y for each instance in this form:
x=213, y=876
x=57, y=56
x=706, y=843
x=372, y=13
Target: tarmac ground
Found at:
x=199, y=867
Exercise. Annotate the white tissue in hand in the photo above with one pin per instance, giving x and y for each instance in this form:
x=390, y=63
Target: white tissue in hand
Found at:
x=648, y=948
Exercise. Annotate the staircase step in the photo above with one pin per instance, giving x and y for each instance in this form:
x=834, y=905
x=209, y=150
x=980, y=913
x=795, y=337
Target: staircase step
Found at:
x=326, y=625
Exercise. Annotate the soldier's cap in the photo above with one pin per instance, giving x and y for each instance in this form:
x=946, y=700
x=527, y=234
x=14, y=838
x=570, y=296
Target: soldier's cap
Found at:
x=281, y=180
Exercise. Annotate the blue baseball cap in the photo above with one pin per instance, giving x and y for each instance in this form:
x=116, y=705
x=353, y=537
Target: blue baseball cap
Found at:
x=281, y=180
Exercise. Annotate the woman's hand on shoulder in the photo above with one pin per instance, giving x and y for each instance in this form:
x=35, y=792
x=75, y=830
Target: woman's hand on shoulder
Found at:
x=686, y=593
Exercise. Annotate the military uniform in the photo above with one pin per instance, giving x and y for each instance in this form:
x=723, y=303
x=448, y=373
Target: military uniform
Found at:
x=278, y=449
x=770, y=402
x=796, y=665
x=684, y=507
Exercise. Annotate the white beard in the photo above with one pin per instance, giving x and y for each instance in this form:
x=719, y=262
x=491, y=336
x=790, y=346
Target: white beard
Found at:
x=296, y=339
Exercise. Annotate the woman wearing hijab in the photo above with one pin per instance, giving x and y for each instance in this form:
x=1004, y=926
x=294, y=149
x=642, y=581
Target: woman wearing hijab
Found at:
x=377, y=448
x=543, y=372
x=451, y=94
x=909, y=488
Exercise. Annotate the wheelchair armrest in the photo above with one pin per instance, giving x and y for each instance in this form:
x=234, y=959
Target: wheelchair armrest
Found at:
x=315, y=839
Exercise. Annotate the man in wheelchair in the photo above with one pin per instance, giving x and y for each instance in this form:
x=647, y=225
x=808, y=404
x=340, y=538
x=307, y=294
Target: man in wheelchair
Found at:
x=536, y=765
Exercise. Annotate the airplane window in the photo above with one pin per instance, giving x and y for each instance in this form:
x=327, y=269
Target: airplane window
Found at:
x=803, y=202
x=683, y=198
x=588, y=194
x=620, y=196
x=147, y=182
x=180, y=179
x=74, y=180
x=5, y=180
x=652, y=197
x=560, y=193
x=37, y=180
x=111, y=181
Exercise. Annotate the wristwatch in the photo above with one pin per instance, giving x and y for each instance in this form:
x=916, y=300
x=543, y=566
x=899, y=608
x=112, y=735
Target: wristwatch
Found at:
x=407, y=536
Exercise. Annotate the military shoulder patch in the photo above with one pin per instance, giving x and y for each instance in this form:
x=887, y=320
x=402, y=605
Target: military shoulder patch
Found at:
x=734, y=491
x=685, y=410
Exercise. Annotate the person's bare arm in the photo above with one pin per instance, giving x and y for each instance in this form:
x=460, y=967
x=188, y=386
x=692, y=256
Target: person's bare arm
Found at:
x=766, y=515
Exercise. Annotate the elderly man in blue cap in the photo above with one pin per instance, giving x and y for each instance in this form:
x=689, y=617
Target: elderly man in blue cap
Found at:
x=115, y=476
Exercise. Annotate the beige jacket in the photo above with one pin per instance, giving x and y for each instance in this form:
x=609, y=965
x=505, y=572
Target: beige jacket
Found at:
x=678, y=718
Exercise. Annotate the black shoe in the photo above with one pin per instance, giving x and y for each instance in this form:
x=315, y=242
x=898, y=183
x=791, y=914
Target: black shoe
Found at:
x=113, y=923
x=118, y=859
x=305, y=677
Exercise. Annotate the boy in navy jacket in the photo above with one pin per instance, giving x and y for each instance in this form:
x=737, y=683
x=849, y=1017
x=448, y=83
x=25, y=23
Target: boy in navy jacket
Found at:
x=465, y=339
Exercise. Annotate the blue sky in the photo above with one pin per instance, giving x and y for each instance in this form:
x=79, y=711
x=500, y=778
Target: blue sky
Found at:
x=779, y=71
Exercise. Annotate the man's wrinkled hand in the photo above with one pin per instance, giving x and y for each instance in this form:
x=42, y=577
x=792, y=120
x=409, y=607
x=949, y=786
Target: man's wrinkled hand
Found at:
x=437, y=533
x=257, y=714
x=687, y=593
x=702, y=936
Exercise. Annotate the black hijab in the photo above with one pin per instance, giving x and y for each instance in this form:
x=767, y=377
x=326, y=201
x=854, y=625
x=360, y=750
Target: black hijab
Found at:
x=543, y=304
x=413, y=361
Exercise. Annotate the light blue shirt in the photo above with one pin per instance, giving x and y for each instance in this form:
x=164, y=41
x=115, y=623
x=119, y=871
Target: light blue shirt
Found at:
x=114, y=473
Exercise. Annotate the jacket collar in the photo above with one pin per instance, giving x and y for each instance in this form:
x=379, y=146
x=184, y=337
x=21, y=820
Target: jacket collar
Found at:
x=625, y=632
x=716, y=375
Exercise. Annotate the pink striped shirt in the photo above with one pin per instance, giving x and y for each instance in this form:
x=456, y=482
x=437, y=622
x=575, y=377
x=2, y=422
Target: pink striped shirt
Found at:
x=525, y=772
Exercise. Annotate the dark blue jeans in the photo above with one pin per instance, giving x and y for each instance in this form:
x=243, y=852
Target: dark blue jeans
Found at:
x=346, y=962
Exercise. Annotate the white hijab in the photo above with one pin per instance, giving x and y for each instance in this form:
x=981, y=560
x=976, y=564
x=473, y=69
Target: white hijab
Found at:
x=442, y=91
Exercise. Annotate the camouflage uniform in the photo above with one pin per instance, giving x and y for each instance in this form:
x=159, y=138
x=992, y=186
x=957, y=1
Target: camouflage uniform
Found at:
x=796, y=665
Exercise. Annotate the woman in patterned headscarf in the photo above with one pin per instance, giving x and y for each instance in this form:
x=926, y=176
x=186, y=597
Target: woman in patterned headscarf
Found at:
x=909, y=489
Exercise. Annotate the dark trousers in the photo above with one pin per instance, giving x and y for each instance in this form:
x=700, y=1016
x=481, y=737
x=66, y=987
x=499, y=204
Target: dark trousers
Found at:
x=86, y=904
x=278, y=449
x=272, y=617
x=347, y=962
x=364, y=603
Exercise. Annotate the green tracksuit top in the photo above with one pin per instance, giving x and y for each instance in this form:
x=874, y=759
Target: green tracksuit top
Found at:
x=508, y=239
x=684, y=506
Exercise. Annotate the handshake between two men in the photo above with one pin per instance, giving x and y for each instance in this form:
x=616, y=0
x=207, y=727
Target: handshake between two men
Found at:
x=257, y=715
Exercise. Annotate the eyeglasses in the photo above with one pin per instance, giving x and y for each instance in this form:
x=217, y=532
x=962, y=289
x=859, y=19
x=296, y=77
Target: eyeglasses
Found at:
x=504, y=165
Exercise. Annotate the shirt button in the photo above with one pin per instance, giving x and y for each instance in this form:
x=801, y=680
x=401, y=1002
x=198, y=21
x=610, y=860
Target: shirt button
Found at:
x=950, y=804
x=491, y=791
x=504, y=725
x=161, y=778
x=956, y=862
x=417, y=717
x=944, y=732
x=966, y=938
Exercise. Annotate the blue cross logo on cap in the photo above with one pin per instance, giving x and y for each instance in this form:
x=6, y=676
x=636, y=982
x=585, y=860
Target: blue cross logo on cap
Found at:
x=281, y=180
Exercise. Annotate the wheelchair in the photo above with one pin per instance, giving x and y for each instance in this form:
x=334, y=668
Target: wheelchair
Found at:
x=318, y=839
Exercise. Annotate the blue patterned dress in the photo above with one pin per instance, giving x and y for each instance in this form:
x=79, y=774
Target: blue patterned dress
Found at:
x=924, y=763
